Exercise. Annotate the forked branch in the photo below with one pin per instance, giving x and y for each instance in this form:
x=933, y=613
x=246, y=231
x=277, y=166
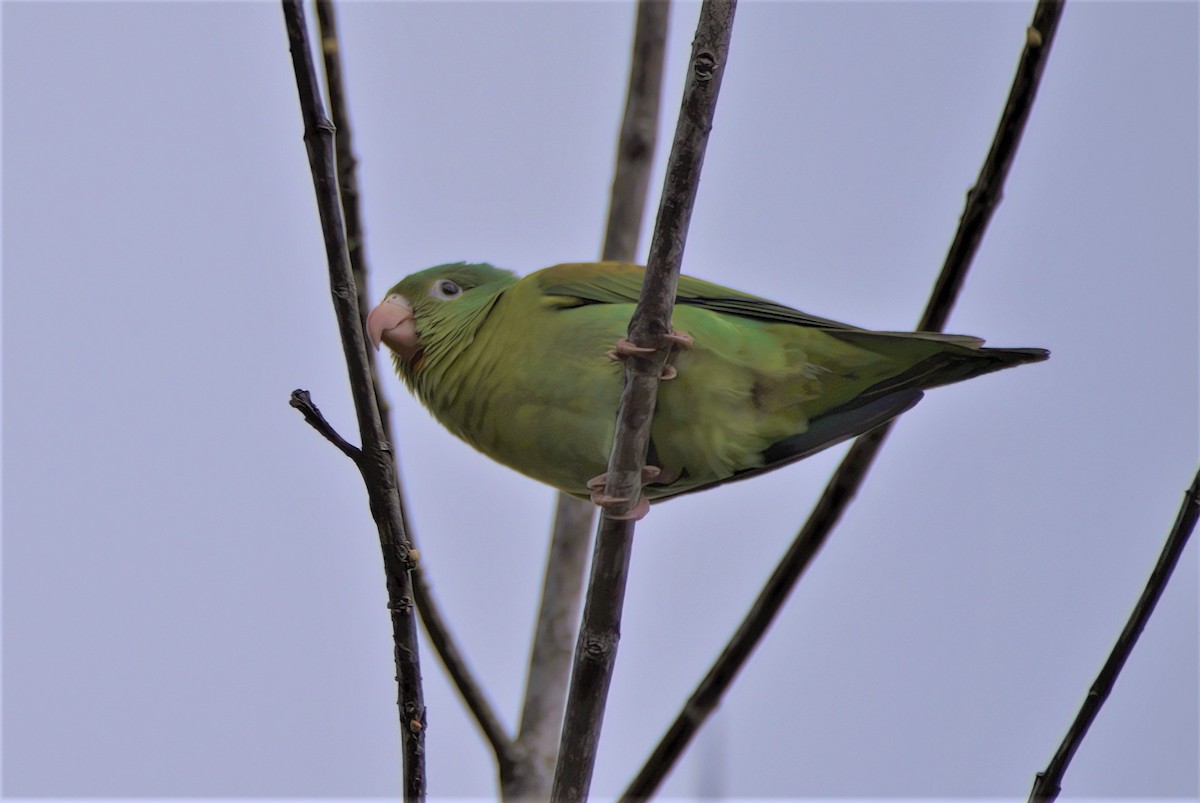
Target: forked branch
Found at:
x=436, y=626
x=375, y=462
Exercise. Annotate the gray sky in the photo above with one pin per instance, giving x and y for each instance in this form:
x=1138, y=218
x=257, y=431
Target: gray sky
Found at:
x=193, y=599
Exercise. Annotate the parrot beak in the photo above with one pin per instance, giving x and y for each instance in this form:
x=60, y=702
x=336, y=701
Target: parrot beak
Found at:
x=392, y=323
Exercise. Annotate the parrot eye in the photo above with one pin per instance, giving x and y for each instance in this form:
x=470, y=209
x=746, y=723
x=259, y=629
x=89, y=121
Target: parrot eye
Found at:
x=446, y=289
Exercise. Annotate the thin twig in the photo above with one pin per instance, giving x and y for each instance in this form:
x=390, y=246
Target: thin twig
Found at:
x=599, y=632
x=558, y=614
x=440, y=636
x=1048, y=782
x=846, y=480
x=302, y=401
x=376, y=463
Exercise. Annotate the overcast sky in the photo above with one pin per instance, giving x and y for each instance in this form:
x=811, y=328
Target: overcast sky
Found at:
x=193, y=598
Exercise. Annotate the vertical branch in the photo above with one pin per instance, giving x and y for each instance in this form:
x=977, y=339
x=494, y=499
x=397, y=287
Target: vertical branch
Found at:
x=595, y=652
x=639, y=133
x=347, y=178
x=550, y=656
x=375, y=462
x=440, y=637
x=1048, y=782
x=849, y=476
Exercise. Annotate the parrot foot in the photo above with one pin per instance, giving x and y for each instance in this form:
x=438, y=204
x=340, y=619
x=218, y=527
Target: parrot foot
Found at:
x=681, y=339
x=636, y=513
x=626, y=348
x=668, y=372
x=597, y=483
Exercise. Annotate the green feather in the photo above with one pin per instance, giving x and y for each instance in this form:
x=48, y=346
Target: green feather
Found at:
x=517, y=368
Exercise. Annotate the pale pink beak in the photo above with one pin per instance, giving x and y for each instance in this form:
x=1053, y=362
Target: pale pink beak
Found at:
x=392, y=323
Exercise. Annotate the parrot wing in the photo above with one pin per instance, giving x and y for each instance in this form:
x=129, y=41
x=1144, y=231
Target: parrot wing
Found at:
x=584, y=283
x=581, y=283
x=828, y=430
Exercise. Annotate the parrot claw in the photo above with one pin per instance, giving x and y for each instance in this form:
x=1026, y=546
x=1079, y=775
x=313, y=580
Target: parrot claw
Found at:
x=636, y=513
x=668, y=372
x=681, y=339
x=603, y=500
x=597, y=483
x=625, y=348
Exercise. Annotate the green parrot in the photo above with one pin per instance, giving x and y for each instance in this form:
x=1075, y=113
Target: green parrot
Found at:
x=528, y=371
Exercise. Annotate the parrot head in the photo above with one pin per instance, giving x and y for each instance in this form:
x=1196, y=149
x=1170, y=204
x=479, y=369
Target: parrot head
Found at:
x=426, y=313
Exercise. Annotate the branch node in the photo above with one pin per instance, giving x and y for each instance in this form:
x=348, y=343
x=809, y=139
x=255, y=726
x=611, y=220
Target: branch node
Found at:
x=704, y=66
x=403, y=605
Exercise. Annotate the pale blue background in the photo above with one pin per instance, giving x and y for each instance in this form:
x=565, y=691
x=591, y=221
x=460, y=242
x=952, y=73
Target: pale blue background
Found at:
x=193, y=601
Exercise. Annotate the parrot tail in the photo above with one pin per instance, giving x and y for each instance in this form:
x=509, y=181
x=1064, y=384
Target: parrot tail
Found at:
x=934, y=359
x=958, y=363
x=959, y=358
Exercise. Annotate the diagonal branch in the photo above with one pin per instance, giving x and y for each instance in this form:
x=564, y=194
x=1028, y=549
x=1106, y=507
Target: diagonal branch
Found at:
x=1048, y=782
x=566, y=562
x=595, y=652
x=435, y=624
x=375, y=463
x=843, y=486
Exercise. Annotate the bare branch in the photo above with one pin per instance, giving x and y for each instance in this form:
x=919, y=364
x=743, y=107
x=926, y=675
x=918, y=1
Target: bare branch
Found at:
x=443, y=641
x=846, y=480
x=1048, y=783
x=595, y=652
x=554, y=635
x=376, y=463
